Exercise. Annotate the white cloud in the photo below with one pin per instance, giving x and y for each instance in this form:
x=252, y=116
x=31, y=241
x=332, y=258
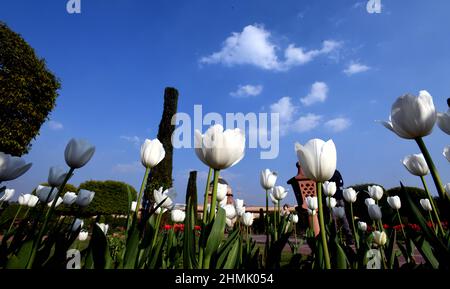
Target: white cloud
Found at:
x=132, y=139
x=253, y=46
x=306, y=123
x=247, y=90
x=55, y=125
x=318, y=93
x=128, y=168
x=355, y=67
x=338, y=124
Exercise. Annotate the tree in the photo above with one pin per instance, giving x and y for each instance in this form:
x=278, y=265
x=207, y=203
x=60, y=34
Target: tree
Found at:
x=161, y=175
x=28, y=92
x=111, y=197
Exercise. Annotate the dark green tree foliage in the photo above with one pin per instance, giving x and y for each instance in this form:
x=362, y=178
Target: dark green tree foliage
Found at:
x=28, y=92
x=111, y=197
x=161, y=175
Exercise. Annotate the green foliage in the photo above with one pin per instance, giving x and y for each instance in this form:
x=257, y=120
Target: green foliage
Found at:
x=111, y=197
x=28, y=92
x=161, y=175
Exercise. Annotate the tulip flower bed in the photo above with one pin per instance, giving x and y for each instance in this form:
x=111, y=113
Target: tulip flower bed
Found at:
x=222, y=238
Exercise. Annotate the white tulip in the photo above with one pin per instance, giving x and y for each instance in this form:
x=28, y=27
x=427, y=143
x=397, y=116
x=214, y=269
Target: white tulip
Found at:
x=369, y=202
x=77, y=224
x=223, y=202
x=168, y=195
x=23, y=199
x=177, y=216
x=331, y=202
x=69, y=198
x=311, y=212
x=350, y=195
x=247, y=219
x=230, y=211
x=447, y=189
x=362, y=226
x=240, y=211
x=268, y=179
x=375, y=212
x=239, y=203
x=43, y=193
x=222, y=190
x=446, y=152
x=220, y=149
x=103, y=227
x=56, y=176
x=162, y=210
x=338, y=212
x=426, y=205
x=6, y=195
x=379, y=238
x=133, y=206
x=329, y=188
x=375, y=192
x=58, y=202
x=152, y=153
x=293, y=218
x=311, y=203
x=394, y=202
x=83, y=235
x=78, y=153
x=12, y=167
x=416, y=165
x=84, y=198
x=32, y=202
x=272, y=197
x=230, y=222
x=443, y=121
x=412, y=117
x=317, y=159
x=279, y=193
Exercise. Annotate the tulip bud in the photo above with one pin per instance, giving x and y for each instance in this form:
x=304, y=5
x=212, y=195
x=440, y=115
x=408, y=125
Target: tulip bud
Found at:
x=160, y=210
x=311, y=212
x=268, y=179
x=77, y=224
x=416, y=165
x=222, y=190
x=329, y=188
x=293, y=218
x=350, y=195
x=379, y=238
x=84, y=198
x=362, y=226
x=311, y=203
x=6, y=195
x=247, y=219
x=446, y=152
x=58, y=202
x=318, y=159
x=69, y=198
x=375, y=212
x=331, y=202
x=274, y=200
x=133, y=206
x=223, y=202
x=240, y=211
x=83, y=235
x=238, y=203
x=78, y=153
x=369, y=201
x=375, y=192
x=44, y=194
x=177, y=216
x=426, y=205
x=12, y=167
x=23, y=199
x=103, y=227
x=164, y=198
x=443, y=121
x=152, y=153
x=279, y=193
x=230, y=211
x=33, y=201
x=230, y=222
x=56, y=176
x=338, y=212
x=394, y=202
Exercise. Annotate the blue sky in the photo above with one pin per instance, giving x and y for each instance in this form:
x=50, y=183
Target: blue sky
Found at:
x=329, y=67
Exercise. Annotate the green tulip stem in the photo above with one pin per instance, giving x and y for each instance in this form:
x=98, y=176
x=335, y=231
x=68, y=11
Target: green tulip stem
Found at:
x=279, y=212
x=401, y=224
x=204, y=218
x=247, y=240
x=383, y=257
x=141, y=192
x=275, y=223
x=329, y=210
x=13, y=221
x=212, y=213
x=37, y=242
x=355, y=234
x=323, y=235
x=157, y=224
x=434, y=172
x=432, y=223
x=266, y=227
x=436, y=215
